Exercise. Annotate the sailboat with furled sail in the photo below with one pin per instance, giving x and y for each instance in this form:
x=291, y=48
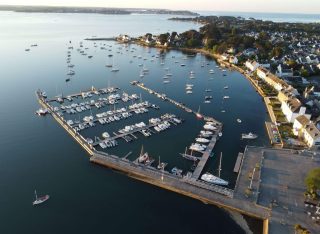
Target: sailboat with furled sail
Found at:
x=39, y=200
x=198, y=114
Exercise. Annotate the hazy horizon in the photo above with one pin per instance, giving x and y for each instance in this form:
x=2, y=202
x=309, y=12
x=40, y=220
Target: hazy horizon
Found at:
x=246, y=6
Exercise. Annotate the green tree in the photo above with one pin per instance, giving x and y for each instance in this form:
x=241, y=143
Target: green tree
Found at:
x=277, y=52
x=304, y=72
x=312, y=180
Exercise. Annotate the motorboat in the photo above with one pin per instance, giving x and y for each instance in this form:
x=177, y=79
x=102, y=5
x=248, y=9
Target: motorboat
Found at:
x=249, y=136
x=105, y=135
x=239, y=120
x=209, y=127
x=202, y=140
x=42, y=112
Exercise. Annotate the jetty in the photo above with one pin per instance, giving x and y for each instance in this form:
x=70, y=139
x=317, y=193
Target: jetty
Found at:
x=176, y=103
x=187, y=184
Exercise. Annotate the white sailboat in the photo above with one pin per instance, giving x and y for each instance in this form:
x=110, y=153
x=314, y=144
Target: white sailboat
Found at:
x=114, y=69
x=215, y=179
x=199, y=116
x=39, y=200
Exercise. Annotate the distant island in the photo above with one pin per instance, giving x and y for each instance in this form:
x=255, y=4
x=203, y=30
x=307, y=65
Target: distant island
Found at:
x=93, y=10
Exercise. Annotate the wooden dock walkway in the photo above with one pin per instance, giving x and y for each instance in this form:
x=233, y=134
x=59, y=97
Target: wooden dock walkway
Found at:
x=206, y=155
x=238, y=163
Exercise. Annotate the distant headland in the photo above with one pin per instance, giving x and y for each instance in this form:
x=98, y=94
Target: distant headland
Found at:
x=93, y=10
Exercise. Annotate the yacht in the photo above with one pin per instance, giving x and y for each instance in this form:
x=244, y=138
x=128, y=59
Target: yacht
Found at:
x=209, y=127
x=239, y=120
x=189, y=92
x=105, y=135
x=39, y=200
x=226, y=97
x=42, y=112
x=115, y=69
x=202, y=140
x=249, y=136
x=213, y=179
x=197, y=147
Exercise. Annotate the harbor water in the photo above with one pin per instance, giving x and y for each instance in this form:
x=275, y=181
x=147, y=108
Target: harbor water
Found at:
x=36, y=153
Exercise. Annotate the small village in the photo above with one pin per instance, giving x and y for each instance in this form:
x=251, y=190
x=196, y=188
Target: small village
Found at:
x=282, y=61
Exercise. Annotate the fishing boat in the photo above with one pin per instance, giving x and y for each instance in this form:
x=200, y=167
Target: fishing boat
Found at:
x=39, y=200
x=215, y=179
x=249, y=136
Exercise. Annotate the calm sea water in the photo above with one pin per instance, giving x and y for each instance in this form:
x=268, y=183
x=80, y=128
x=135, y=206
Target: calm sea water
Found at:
x=276, y=17
x=36, y=153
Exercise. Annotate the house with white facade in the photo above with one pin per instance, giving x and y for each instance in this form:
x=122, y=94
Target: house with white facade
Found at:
x=284, y=72
x=233, y=60
x=271, y=79
x=306, y=129
x=252, y=65
x=292, y=108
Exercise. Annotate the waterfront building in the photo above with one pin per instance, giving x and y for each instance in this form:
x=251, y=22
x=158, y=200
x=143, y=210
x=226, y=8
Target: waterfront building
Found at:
x=224, y=57
x=124, y=38
x=233, y=60
x=306, y=130
x=252, y=65
x=283, y=71
x=271, y=79
x=292, y=108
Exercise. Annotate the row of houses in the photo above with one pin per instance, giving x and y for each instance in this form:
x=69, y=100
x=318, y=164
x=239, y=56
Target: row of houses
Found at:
x=292, y=108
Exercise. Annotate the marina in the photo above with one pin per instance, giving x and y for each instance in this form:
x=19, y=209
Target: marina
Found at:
x=188, y=183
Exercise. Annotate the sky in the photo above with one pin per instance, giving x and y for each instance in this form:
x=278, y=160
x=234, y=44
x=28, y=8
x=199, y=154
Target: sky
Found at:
x=282, y=6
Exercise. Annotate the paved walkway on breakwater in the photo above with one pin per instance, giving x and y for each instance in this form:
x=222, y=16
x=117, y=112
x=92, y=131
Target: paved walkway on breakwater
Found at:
x=211, y=194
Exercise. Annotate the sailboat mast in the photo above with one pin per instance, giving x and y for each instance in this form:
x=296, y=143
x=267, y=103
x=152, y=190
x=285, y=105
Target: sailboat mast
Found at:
x=219, y=170
x=35, y=192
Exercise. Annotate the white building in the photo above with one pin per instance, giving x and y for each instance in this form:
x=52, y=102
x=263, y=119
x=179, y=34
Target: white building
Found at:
x=233, y=60
x=292, y=108
x=271, y=79
x=252, y=65
x=306, y=130
x=283, y=72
